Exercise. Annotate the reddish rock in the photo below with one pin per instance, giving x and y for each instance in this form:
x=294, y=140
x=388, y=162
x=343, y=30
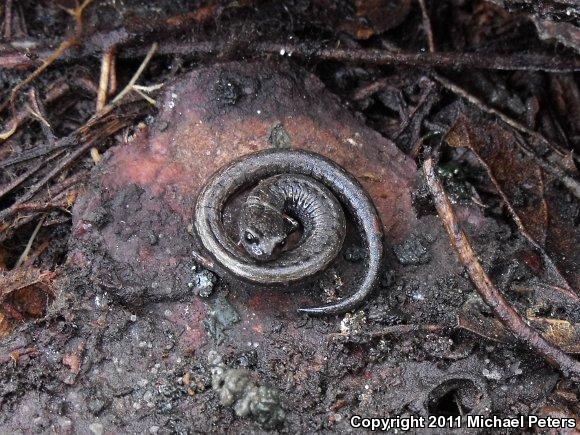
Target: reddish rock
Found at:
x=144, y=193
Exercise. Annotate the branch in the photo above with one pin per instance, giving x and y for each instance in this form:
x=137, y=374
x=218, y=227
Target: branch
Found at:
x=450, y=60
x=456, y=61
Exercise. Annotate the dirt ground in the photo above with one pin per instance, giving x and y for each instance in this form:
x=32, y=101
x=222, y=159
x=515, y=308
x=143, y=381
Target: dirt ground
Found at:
x=116, y=113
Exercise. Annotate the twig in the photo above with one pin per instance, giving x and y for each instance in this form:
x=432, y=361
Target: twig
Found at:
x=4, y=190
x=40, y=150
x=61, y=166
x=22, y=115
x=426, y=101
x=8, y=19
x=136, y=76
x=37, y=207
x=112, y=76
x=145, y=96
x=103, y=90
x=427, y=26
x=32, y=256
x=448, y=60
x=29, y=244
x=86, y=134
x=59, y=202
x=104, y=78
x=488, y=292
x=394, y=331
x=368, y=89
x=114, y=125
x=65, y=45
x=407, y=329
x=455, y=61
x=144, y=90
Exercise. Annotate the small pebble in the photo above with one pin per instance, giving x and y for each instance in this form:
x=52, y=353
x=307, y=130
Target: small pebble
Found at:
x=354, y=254
x=205, y=282
x=412, y=252
x=96, y=428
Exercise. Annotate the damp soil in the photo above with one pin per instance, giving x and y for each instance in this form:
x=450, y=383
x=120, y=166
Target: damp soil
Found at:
x=133, y=334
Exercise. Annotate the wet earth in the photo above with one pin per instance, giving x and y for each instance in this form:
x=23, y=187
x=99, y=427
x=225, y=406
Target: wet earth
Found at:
x=142, y=338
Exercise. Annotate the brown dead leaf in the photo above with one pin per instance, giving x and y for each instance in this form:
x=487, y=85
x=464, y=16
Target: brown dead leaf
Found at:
x=517, y=178
x=25, y=293
x=19, y=279
x=376, y=16
x=30, y=301
x=357, y=29
x=522, y=185
x=5, y=326
x=383, y=14
x=200, y=16
x=476, y=317
x=559, y=332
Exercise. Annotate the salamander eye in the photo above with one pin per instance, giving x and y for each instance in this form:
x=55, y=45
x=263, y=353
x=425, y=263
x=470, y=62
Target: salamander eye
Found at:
x=250, y=237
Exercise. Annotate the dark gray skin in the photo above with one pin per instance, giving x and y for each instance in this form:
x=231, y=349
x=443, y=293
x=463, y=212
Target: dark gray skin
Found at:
x=278, y=206
x=295, y=188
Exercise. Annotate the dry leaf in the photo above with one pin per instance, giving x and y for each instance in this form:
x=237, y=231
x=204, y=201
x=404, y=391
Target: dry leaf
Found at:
x=476, y=317
x=375, y=16
x=383, y=14
x=522, y=185
x=25, y=293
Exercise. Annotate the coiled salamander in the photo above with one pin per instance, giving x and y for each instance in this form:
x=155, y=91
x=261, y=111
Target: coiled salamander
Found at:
x=292, y=189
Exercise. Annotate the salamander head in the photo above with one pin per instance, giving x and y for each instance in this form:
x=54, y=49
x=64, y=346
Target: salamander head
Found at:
x=263, y=230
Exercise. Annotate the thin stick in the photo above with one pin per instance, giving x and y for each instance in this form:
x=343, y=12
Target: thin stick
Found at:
x=112, y=75
x=110, y=128
x=95, y=129
x=65, y=45
x=455, y=61
x=104, y=79
x=60, y=202
x=427, y=26
x=407, y=329
x=37, y=207
x=447, y=60
x=4, y=190
x=136, y=76
x=484, y=286
x=145, y=96
x=8, y=19
x=30, y=242
x=393, y=331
